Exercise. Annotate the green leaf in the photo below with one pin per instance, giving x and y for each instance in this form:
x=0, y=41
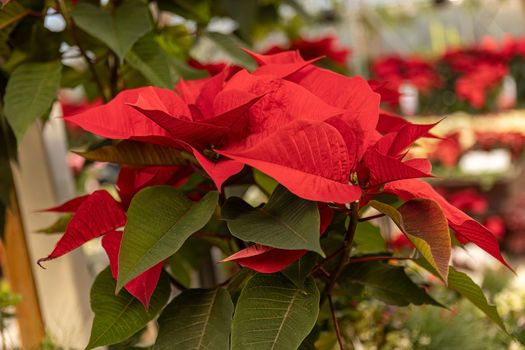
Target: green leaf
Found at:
x=187, y=72
x=463, y=284
x=368, y=239
x=299, y=270
x=265, y=182
x=272, y=313
x=147, y=57
x=248, y=14
x=12, y=13
x=286, y=221
x=309, y=342
x=232, y=47
x=188, y=258
x=118, y=30
x=160, y=220
x=385, y=282
x=31, y=90
x=196, y=10
x=425, y=225
x=136, y=154
x=59, y=226
x=118, y=317
x=197, y=319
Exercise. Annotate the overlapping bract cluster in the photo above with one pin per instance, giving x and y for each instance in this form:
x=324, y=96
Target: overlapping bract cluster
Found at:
x=320, y=134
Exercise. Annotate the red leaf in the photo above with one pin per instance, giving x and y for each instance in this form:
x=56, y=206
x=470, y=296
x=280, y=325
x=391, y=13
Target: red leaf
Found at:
x=354, y=95
x=199, y=91
x=286, y=57
x=203, y=128
x=98, y=215
x=70, y=206
x=284, y=69
x=132, y=180
x=467, y=230
x=384, y=168
x=282, y=102
x=117, y=120
x=421, y=164
x=407, y=135
x=142, y=286
x=219, y=171
x=314, y=164
x=266, y=259
x=388, y=93
x=390, y=122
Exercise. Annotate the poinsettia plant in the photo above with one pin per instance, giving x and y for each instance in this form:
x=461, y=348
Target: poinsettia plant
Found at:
x=282, y=169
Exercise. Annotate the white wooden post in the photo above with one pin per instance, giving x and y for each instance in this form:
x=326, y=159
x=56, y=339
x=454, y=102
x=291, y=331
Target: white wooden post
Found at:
x=43, y=179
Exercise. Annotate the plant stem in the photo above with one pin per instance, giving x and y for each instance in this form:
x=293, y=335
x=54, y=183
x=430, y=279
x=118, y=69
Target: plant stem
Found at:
x=347, y=249
x=336, y=324
x=378, y=258
x=371, y=217
x=327, y=259
x=113, y=80
x=72, y=30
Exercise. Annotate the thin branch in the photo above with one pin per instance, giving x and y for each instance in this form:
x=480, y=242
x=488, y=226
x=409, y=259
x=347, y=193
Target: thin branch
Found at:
x=72, y=29
x=325, y=260
x=336, y=324
x=378, y=258
x=347, y=249
x=371, y=217
x=325, y=273
x=113, y=72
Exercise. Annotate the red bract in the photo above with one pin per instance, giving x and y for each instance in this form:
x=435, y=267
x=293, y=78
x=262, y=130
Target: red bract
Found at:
x=83, y=227
x=469, y=200
x=142, y=286
x=212, y=68
x=130, y=180
x=70, y=206
x=247, y=119
x=466, y=229
x=488, y=140
x=448, y=150
x=396, y=71
x=474, y=86
x=98, y=214
x=266, y=259
x=310, y=49
x=513, y=47
x=466, y=60
x=389, y=93
x=496, y=225
x=383, y=162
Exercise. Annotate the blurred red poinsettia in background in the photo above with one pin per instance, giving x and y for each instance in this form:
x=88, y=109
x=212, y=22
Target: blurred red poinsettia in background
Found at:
x=448, y=150
x=512, y=140
x=315, y=48
x=474, y=85
x=397, y=70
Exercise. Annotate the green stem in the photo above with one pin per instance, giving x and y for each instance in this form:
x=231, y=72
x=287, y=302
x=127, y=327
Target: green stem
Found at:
x=61, y=7
x=371, y=217
x=379, y=258
x=336, y=324
x=347, y=249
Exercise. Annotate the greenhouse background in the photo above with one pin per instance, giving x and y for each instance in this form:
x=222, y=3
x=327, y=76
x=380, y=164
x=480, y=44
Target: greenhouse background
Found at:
x=457, y=63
